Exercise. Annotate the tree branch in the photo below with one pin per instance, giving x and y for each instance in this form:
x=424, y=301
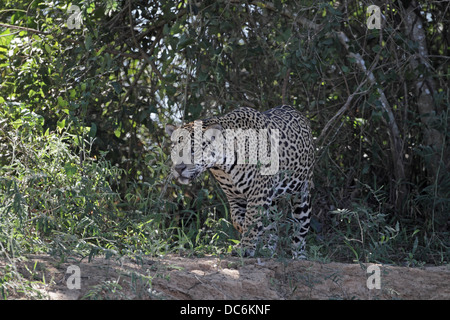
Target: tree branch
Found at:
x=341, y=111
x=394, y=132
x=11, y=26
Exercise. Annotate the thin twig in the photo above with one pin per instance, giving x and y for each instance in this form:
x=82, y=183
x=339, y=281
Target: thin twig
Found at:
x=343, y=109
x=11, y=26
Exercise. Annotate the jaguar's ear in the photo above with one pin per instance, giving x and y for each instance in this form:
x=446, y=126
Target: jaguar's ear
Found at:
x=170, y=129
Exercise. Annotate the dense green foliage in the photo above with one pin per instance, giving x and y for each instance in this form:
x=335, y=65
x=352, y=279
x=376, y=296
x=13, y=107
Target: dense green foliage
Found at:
x=85, y=92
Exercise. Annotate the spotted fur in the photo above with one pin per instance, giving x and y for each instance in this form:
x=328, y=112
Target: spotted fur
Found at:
x=251, y=194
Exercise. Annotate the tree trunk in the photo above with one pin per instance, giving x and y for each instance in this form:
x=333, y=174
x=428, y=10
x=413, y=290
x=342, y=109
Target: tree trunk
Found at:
x=425, y=87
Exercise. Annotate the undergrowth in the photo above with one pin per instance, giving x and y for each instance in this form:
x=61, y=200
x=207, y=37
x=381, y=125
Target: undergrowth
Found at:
x=56, y=198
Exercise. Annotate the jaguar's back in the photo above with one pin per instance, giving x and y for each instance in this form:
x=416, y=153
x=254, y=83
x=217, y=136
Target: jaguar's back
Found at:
x=252, y=187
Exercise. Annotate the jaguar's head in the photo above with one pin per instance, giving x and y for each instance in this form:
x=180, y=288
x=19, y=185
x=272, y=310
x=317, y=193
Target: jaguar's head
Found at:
x=196, y=147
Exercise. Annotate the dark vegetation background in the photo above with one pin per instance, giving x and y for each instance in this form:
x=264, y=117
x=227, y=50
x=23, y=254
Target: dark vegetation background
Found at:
x=83, y=104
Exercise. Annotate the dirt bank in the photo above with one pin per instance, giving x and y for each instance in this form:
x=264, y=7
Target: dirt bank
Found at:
x=229, y=278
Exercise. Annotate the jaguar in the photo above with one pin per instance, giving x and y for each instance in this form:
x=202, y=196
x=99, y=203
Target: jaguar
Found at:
x=257, y=158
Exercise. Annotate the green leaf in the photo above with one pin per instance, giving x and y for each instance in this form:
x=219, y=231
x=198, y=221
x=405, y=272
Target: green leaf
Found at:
x=60, y=125
x=376, y=48
x=93, y=130
x=185, y=41
x=166, y=30
x=17, y=123
x=117, y=132
x=62, y=103
x=47, y=48
x=117, y=87
x=88, y=42
x=70, y=169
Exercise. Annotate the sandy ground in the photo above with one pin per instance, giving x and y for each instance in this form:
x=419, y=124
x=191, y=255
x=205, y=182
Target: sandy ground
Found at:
x=211, y=278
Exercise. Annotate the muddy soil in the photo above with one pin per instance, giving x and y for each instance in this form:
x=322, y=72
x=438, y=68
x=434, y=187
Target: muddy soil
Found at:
x=209, y=278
